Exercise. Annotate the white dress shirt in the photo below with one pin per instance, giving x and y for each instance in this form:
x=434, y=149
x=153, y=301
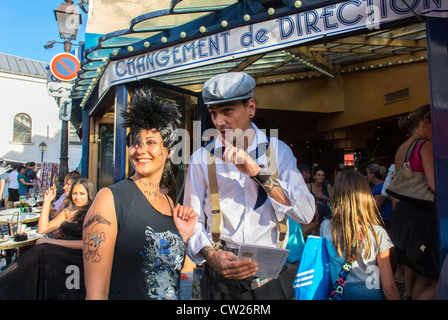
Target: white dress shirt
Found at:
x=238, y=195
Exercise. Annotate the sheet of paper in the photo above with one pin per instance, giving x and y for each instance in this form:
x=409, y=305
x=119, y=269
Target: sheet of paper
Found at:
x=270, y=260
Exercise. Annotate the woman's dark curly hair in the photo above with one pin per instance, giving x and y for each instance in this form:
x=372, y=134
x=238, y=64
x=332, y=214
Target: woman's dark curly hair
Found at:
x=144, y=113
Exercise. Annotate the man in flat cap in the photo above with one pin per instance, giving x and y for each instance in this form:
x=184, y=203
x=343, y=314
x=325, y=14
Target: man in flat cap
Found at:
x=243, y=185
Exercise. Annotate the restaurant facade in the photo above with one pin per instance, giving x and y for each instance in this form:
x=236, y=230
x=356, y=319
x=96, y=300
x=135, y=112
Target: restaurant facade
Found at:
x=333, y=77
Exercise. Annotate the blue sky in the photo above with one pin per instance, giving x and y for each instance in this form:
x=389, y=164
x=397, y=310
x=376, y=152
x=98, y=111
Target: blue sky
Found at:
x=26, y=25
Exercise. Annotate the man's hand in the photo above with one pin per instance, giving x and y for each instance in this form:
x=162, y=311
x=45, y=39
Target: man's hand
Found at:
x=246, y=165
x=229, y=266
x=242, y=161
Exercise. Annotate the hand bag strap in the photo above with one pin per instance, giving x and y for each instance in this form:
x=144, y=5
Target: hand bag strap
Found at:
x=338, y=286
x=409, y=152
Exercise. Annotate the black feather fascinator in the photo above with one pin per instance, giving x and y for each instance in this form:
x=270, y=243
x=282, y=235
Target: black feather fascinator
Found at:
x=144, y=113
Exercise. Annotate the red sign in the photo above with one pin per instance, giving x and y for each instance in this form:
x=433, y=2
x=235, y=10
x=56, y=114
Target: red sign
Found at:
x=65, y=66
x=349, y=160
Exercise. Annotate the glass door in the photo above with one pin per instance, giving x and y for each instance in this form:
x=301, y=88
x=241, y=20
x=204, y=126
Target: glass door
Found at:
x=105, y=155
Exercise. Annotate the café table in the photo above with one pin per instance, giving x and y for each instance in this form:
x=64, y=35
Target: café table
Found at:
x=8, y=244
x=25, y=218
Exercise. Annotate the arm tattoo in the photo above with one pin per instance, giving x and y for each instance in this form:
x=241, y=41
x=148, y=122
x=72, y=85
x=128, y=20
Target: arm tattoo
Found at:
x=96, y=218
x=93, y=242
x=205, y=251
x=93, y=239
x=270, y=185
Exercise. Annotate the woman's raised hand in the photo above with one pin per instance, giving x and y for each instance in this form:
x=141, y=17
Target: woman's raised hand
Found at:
x=185, y=220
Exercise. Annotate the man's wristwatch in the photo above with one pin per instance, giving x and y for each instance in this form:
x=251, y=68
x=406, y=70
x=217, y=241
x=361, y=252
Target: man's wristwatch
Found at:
x=262, y=176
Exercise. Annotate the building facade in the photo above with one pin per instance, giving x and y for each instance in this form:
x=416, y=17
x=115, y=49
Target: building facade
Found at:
x=30, y=114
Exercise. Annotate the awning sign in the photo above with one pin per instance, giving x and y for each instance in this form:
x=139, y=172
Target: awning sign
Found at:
x=267, y=36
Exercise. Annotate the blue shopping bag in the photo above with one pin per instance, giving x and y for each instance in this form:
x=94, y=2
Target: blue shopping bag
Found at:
x=313, y=279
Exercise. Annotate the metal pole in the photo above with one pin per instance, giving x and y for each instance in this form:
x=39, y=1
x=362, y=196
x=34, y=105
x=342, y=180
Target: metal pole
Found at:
x=121, y=103
x=63, y=160
x=438, y=77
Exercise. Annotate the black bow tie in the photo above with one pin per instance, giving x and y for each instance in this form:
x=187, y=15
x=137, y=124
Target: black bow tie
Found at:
x=254, y=154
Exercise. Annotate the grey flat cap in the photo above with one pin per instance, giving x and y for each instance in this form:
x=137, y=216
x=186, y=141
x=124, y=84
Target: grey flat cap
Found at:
x=228, y=87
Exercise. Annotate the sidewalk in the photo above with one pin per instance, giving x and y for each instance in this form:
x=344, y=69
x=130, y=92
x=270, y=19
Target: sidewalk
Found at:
x=186, y=285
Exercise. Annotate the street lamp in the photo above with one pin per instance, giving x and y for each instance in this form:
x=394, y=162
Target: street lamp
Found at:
x=82, y=4
x=67, y=44
x=69, y=20
x=42, y=148
x=50, y=44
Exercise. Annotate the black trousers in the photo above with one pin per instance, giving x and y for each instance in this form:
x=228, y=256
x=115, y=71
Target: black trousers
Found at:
x=214, y=286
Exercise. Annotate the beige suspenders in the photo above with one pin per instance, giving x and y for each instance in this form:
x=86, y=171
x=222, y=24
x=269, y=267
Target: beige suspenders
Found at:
x=214, y=198
x=281, y=224
x=216, y=209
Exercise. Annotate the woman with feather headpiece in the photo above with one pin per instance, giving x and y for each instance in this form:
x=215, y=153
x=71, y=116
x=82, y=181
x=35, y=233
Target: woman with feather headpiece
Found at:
x=134, y=236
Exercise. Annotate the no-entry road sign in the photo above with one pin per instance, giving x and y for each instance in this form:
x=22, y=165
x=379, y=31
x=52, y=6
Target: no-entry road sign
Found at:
x=65, y=66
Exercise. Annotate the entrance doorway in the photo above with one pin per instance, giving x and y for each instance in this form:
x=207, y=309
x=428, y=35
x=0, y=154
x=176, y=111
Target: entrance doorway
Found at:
x=105, y=155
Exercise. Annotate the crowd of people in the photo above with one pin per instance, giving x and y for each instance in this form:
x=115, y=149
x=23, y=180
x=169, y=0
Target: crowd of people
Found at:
x=129, y=240
x=15, y=181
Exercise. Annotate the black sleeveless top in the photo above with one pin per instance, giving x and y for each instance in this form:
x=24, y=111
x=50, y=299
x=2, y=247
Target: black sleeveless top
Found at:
x=149, y=252
x=71, y=230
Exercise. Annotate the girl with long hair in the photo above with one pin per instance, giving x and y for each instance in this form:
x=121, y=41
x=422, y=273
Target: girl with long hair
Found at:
x=41, y=272
x=354, y=228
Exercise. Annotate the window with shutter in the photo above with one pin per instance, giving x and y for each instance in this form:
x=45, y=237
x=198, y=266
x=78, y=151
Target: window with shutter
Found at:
x=22, y=128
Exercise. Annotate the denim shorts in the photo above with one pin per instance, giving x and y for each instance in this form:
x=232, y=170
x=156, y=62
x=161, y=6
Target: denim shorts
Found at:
x=354, y=291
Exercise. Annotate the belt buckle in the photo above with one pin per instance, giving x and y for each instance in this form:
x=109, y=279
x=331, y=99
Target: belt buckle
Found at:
x=259, y=282
x=217, y=246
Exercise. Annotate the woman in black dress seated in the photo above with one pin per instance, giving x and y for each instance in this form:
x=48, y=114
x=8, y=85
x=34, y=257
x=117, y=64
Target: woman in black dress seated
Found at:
x=53, y=269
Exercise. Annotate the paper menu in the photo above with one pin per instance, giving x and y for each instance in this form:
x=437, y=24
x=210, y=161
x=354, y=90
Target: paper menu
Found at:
x=270, y=260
